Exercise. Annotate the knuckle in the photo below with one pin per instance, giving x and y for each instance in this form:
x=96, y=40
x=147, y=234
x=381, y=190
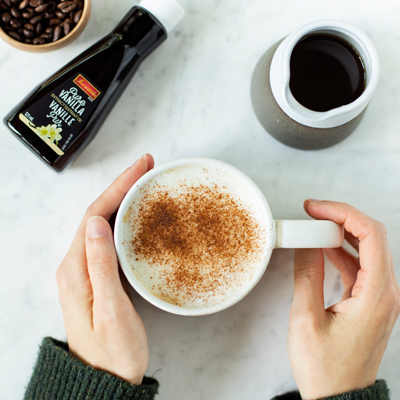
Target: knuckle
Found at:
x=63, y=283
x=91, y=210
x=305, y=321
x=391, y=302
x=306, y=269
x=380, y=227
x=108, y=317
x=367, y=225
x=61, y=277
x=101, y=263
x=299, y=320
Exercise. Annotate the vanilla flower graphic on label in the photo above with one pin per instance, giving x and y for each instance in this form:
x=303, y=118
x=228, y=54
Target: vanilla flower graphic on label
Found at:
x=51, y=132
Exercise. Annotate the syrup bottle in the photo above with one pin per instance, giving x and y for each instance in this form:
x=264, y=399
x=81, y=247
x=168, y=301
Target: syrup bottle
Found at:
x=60, y=117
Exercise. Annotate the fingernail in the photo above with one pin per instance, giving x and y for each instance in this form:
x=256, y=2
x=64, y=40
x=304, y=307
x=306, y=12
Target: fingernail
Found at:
x=141, y=158
x=96, y=227
x=318, y=202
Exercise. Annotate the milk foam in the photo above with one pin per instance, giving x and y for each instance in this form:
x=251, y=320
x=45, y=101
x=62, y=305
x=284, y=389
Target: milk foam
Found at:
x=177, y=182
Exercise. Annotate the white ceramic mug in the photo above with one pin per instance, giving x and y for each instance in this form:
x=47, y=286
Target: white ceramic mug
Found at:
x=280, y=234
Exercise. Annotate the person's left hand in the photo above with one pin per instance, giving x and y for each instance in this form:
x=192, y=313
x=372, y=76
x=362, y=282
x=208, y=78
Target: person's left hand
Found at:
x=103, y=328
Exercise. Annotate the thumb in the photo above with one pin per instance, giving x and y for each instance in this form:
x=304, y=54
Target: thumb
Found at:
x=309, y=280
x=102, y=260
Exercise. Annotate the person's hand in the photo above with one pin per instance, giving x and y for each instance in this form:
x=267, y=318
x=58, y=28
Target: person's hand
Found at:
x=339, y=349
x=103, y=328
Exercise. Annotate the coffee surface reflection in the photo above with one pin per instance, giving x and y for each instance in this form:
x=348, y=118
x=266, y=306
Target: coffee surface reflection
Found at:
x=326, y=72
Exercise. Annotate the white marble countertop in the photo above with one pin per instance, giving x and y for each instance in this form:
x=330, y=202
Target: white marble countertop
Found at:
x=191, y=98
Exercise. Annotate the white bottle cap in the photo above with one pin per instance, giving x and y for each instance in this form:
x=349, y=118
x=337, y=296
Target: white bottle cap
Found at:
x=168, y=12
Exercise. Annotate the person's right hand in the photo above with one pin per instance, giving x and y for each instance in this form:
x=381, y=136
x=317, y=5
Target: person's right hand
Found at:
x=339, y=349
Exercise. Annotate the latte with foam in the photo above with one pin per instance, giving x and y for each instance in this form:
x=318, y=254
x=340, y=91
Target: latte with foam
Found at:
x=194, y=236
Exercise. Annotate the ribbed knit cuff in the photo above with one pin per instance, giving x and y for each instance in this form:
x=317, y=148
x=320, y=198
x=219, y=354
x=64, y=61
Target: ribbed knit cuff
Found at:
x=378, y=391
x=59, y=376
x=288, y=396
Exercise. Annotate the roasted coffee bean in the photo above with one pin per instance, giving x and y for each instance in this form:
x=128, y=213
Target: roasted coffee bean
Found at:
x=39, y=29
x=30, y=27
x=39, y=40
x=3, y=7
x=28, y=41
x=67, y=28
x=69, y=8
x=50, y=29
x=29, y=34
x=24, y=4
x=49, y=15
x=47, y=36
x=15, y=23
x=29, y=13
x=36, y=20
x=63, y=4
x=15, y=36
x=57, y=33
x=7, y=3
x=35, y=3
x=60, y=14
x=8, y=28
x=15, y=1
x=6, y=17
x=42, y=8
x=15, y=13
x=54, y=21
x=78, y=16
x=66, y=4
x=69, y=21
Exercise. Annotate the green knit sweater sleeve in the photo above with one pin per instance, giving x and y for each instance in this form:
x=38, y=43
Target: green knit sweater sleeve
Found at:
x=378, y=391
x=59, y=376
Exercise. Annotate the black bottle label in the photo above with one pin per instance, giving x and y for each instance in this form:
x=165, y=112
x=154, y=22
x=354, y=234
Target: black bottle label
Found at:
x=60, y=116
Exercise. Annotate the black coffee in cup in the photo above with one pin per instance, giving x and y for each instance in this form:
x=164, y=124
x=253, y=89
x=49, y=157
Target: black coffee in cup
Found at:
x=326, y=72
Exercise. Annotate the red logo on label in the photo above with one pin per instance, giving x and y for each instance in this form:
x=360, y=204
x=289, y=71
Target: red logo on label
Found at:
x=87, y=87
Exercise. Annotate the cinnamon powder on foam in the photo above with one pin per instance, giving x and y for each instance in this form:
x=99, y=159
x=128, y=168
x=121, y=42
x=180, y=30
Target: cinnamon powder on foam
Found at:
x=199, y=242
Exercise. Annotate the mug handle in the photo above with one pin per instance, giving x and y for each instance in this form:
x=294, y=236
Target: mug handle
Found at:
x=308, y=234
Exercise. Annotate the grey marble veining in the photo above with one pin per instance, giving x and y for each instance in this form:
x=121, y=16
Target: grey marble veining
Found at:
x=191, y=98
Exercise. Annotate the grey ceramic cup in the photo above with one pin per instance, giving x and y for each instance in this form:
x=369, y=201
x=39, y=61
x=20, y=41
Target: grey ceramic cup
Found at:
x=285, y=118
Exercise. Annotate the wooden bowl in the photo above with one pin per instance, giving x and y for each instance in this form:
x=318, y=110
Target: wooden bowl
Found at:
x=43, y=48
